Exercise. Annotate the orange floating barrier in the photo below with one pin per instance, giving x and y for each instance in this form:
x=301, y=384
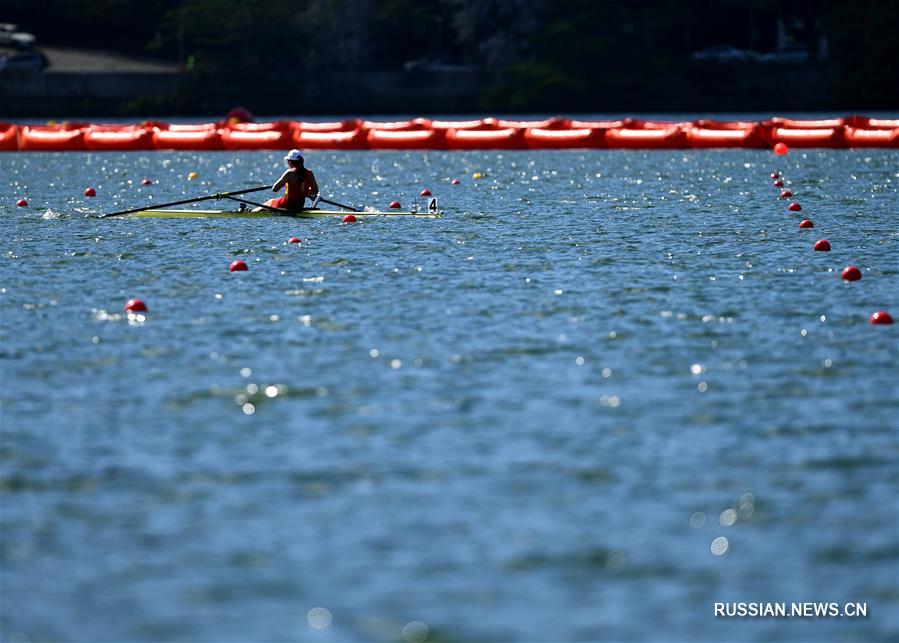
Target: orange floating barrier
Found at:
x=537, y=138
x=187, y=139
x=761, y=131
x=480, y=123
x=600, y=124
x=50, y=139
x=663, y=125
x=153, y=124
x=330, y=126
x=111, y=127
x=66, y=126
x=882, y=123
x=354, y=140
x=484, y=134
x=508, y=138
x=193, y=127
x=646, y=139
x=101, y=139
x=828, y=137
x=274, y=126
x=421, y=139
x=821, y=123
x=554, y=123
x=398, y=126
x=258, y=140
x=9, y=137
x=858, y=137
x=700, y=137
x=708, y=123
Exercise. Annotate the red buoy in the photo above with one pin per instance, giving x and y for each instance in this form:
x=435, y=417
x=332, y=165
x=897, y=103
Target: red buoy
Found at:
x=806, y=223
x=881, y=317
x=851, y=273
x=775, y=175
x=238, y=265
x=781, y=148
x=778, y=183
x=349, y=219
x=794, y=207
x=22, y=203
x=786, y=194
x=135, y=306
x=822, y=245
x=425, y=192
x=146, y=182
x=456, y=181
x=90, y=192
x=293, y=240
x=395, y=205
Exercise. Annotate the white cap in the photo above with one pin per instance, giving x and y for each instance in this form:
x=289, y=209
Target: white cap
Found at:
x=293, y=155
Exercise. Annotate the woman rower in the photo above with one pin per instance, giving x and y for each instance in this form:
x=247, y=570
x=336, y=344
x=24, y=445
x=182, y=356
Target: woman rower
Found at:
x=298, y=183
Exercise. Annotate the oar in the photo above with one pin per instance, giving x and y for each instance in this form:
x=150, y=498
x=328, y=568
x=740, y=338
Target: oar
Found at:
x=185, y=201
x=340, y=205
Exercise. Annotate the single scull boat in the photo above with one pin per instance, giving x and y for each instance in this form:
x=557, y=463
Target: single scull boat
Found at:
x=247, y=214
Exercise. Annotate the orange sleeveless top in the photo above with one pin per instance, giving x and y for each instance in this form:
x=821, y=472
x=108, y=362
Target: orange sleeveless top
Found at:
x=293, y=198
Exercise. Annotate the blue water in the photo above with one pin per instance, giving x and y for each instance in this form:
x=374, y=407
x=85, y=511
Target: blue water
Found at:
x=530, y=420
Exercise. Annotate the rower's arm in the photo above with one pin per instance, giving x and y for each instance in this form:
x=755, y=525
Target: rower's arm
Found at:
x=280, y=183
x=311, y=185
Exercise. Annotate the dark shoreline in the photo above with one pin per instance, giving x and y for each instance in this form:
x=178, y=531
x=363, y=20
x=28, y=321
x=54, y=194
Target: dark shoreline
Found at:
x=699, y=89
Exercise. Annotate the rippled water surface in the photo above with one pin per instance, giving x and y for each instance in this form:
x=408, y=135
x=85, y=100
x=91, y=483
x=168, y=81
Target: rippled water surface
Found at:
x=605, y=391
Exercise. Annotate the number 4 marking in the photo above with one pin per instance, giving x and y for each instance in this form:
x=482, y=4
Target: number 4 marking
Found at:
x=432, y=205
